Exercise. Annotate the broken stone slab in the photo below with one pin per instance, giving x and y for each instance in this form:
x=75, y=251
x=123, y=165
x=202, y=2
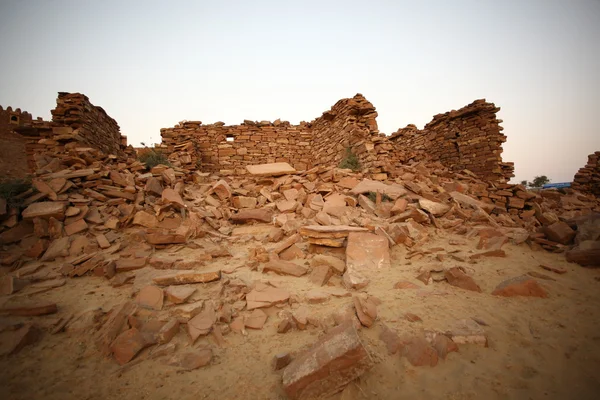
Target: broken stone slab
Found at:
x=434, y=208
x=265, y=296
x=222, y=190
x=392, y=341
x=191, y=360
x=522, y=285
x=329, y=232
x=9, y=284
x=29, y=309
x=316, y=296
x=366, y=310
x=328, y=366
x=202, y=323
x=256, y=319
x=256, y=214
x=58, y=248
x=130, y=264
x=394, y=191
x=170, y=196
x=556, y=270
x=179, y=294
x=271, y=169
x=160, y=238
x=145, y=219
x=320, y=274
x=456, y=277
x=282, y=267
x=128, y=344
x=367, y=251
x=468, y=201
x=465, y=331
x=46, y=210
x=281, y=360
x=188, y=277
x=328, y=242
x=355, y=280
x=113, y=326
x=419, y=353
x=560, y=232
x=151, y=297
x=168, y=331
x=587, y=254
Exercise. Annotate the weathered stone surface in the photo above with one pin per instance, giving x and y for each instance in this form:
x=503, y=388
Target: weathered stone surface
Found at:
x=328, y=366
x=159, y=238
x=316, y=296
x=367, y=251
x=145, y=219
x=520, y=286
x=188, y=277
x=170, y=196
x=434, y=208
x=57, y=248
x=366, y=310
x=271, y=169
x=153, y=186
x=222, y=189
x=256, y=319
x=419, y=353
x=285, y=268
x=456, y=277
x=355, y=280
x=45, y=209
x=244, y=202
x=202, y=323
x=113, y=326
x=444, y=345
x=259, y=214
x=168, y=331
x=9, y=284
x=76, y=227
x=466, y=331
x=130, y=264
x=329, y=232
x=470, y=202
x=320, y=274
x=179, y=294
x=405, y=285
x=391, y=339
x=191, y=360
x=281, y=360
x=151, y=297
x=265, y=296
x=127, y=345
x=336, y=265
x=366, y=185
x=29, y=309
x=587, y=254
x=560, y=232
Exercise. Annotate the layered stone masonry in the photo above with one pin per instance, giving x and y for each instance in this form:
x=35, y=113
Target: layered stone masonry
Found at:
x=469, y=138
x=587, y=179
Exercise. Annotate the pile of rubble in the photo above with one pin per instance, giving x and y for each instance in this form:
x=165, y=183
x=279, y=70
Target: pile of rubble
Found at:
x=108, y=216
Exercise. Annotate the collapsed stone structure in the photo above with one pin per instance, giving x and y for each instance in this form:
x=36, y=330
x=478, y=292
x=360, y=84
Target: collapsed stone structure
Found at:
x=13, y=162
x=469, y=138
x=301, y=240
x=587, y=179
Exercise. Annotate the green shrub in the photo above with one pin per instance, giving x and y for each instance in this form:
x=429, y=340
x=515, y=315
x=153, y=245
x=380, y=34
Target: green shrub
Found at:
x=350, y=161
x=11, y=188
x=153, y=157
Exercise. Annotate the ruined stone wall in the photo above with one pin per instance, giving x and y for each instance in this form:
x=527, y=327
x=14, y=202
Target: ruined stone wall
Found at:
x=469, y=138
x=587, y=179
x=229, y=148
x=82, y=121
x=13, y=160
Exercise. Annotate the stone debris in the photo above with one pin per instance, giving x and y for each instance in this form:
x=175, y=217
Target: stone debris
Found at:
x=327, y=366
x=274, y=201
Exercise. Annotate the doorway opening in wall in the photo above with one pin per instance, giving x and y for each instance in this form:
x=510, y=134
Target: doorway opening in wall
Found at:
x=229, y=138
x=14, y=119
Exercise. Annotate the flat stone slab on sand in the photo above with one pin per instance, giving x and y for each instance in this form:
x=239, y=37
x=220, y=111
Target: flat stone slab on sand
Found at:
x=272, y=169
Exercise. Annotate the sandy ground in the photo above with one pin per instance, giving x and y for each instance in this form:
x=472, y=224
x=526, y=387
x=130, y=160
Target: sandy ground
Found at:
x=538, y=348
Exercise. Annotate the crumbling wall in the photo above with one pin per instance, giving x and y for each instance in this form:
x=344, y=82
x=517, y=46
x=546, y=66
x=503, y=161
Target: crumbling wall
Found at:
x=13, y=159
x=75, y=123
x=469, y=138
x=82, y=121
x=229, y=148
x=587, y=179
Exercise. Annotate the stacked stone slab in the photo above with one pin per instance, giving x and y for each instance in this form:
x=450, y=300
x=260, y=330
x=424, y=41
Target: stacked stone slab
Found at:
x=469, y=138
x=587, y=179
x=228, y=149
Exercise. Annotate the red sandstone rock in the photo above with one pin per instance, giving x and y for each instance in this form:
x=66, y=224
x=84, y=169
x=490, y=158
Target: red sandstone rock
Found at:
x=320, y=275
x=259, y=214
x=405, y=285
x=434, y=208
x=12, y=341
x=366, y=310
x=201, y=324
x=126, y=346
x=48, y=209
x=285, y=268
x=179, y=294
x=444, y=345
x=419, y=353
x=520, y=286
x=256, y=320
x=391, y=339
x=9, y=285
x=188, y=277
x=169, y=196
x=366, y=251
x=145, y=219
x=151, y=297
x=29, y=309
x=130, y=264
x=281, y=360
x=456, y=277
x=265, y=296
x=328, y=366
x=466, y=331
x=272, y=169
x=560, y=232
x=222, y=189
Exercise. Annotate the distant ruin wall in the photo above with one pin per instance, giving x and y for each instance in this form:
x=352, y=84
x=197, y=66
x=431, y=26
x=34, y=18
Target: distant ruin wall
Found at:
x=469, y=138
x=13, y=161
x=229, y=148
x=587, y=179
x=88, y=124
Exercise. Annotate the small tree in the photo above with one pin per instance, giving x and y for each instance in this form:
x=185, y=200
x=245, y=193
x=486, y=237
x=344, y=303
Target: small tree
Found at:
x=539, y=181
x=524, y=183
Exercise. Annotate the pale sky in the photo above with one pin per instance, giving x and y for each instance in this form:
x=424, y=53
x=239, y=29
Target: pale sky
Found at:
x=151, y=64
